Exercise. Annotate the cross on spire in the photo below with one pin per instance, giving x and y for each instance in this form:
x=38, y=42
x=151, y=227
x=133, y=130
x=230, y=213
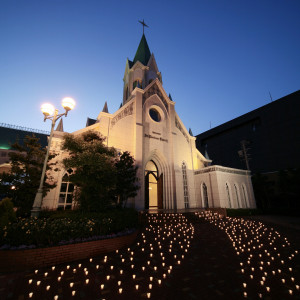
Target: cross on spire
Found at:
x=144, y=24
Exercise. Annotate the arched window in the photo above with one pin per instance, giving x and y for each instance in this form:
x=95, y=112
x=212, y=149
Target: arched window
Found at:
x=137, y=83
x=237, y=196
x=66, y=194
x=185, y=186
x=244, y=195
x=205, y=195
x=126, y=93
x=228, y=195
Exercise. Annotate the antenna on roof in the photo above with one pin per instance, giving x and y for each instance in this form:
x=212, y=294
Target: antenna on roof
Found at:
x=270, y=96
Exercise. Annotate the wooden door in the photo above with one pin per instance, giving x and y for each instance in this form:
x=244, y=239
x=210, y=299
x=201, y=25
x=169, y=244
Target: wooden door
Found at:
x=160, y=189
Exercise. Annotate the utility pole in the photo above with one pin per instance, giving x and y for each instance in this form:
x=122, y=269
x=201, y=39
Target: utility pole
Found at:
x=243, y=153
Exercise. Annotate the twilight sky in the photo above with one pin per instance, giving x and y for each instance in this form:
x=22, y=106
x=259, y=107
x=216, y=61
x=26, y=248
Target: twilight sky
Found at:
x=219, y=59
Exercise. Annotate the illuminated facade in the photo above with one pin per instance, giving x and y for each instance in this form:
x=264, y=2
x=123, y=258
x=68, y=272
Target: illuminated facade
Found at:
x=172, y=172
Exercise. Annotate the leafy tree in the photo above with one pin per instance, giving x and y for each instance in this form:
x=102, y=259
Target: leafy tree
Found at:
x=93, y=165
x=126, y=178
x=101, y=176
x=22, y=182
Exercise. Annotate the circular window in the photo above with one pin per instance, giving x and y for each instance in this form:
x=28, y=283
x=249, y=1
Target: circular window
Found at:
x=154, y=114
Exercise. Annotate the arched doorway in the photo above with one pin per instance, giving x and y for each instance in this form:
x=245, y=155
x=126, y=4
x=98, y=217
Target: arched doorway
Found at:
x=153, y=187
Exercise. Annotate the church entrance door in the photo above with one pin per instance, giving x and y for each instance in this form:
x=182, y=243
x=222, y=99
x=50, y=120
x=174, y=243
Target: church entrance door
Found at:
x=153, y=187
x=160, y=188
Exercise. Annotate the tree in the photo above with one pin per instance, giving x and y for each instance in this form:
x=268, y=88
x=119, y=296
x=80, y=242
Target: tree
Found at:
x=101, y=176
x=93, y=165
x=126, y=178
x=22, y=183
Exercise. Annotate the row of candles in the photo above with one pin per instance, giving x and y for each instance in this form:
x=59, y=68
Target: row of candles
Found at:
x=162, y=245
x=261, y=251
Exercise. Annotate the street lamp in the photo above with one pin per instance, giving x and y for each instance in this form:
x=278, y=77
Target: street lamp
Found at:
x=52, y=114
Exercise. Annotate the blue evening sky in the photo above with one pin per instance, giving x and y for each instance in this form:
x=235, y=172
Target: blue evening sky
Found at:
x=218, y=58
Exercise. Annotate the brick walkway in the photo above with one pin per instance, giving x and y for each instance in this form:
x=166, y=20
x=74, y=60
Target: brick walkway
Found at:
x=176, y=256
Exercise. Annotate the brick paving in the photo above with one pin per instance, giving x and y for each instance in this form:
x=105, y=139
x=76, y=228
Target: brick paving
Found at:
x=177, y=256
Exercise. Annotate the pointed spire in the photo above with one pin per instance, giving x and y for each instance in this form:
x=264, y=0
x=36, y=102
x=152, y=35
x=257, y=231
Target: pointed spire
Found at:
x=60, y=126
x=170, y=97
x=121, y=105
x=143, y=52
x=190, y=132
x=105, y=108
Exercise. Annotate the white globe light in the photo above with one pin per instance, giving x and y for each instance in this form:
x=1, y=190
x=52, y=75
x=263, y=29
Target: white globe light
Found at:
x=47, y=109
x=68, y=103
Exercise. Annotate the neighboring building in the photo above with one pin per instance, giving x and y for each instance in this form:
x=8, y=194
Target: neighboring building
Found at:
x=271, y=134
x=9, y=134
x=172, y=172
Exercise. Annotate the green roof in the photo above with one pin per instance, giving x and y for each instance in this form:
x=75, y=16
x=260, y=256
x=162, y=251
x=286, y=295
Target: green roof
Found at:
x=143, y=52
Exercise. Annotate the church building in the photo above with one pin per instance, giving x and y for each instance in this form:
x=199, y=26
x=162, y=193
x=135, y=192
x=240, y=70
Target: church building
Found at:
x=172, y=173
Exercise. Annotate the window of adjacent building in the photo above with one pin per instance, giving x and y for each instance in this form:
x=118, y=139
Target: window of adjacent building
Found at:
x=154, y=114
x=66, y=194
x=205, y=195
x=237, y=196
x=185, y=186
x=228, y=195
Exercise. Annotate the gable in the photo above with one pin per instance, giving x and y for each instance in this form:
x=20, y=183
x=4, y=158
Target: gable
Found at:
x=155, y=88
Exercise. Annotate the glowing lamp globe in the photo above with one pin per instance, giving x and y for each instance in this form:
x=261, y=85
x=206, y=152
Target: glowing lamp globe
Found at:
x=68, y=103
x=47, y=109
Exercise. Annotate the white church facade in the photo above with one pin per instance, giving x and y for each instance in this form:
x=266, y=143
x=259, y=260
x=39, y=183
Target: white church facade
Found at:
x=172, y=173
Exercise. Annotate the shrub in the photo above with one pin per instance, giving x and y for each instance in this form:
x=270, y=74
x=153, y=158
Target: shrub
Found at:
x=63, y=227
x=7, y=213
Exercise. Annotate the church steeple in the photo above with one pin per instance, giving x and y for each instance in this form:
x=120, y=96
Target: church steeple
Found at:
x=143, y=53
x=140, y=72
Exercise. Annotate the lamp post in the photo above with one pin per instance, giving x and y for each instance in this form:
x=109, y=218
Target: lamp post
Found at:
x=52, y=114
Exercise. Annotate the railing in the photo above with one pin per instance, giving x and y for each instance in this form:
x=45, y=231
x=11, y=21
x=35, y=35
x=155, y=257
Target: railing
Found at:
x=24, y=128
